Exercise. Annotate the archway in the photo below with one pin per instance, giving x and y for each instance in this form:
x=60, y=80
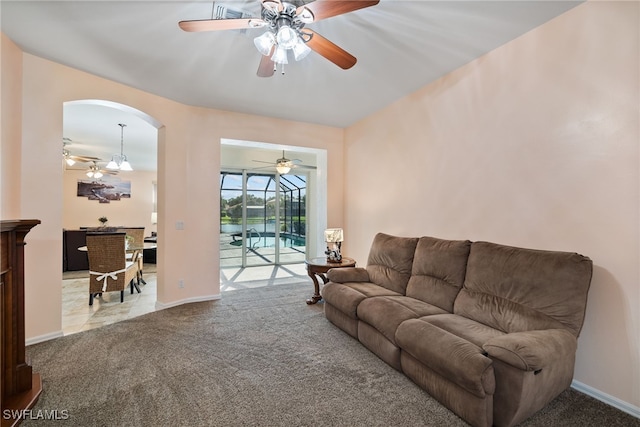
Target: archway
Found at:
x=93, y=128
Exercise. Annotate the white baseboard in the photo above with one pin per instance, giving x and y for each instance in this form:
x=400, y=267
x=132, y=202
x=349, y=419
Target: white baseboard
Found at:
x=607, y=398
x=162, y=306
x=43, y=338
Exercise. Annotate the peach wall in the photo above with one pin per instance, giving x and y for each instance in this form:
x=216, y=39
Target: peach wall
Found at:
x=534, y=144
x=10, y=127
x=133, y=212
x=188, y=176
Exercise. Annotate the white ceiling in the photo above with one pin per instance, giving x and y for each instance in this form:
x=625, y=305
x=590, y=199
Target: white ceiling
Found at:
x=400, y=45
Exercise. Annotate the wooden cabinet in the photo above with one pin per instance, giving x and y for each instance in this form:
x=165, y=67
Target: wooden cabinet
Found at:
x=20, y=387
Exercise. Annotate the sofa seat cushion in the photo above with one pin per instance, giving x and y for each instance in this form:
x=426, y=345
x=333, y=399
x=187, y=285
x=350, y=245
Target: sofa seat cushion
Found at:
x=467, y=329
x=450, y=356
x=386, y=313
x=346, y=296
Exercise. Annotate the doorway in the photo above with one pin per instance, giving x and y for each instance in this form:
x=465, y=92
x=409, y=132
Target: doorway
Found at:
x=262, y=218
x=92, y=134
x=287, y=210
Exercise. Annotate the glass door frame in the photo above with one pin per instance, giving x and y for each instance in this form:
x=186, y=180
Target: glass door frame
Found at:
x=276, y=177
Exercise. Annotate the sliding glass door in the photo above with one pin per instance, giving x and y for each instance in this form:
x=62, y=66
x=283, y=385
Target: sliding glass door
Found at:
x=262, y=219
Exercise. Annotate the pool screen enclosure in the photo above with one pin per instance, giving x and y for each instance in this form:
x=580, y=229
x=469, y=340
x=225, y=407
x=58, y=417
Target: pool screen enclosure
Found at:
x=262, y=218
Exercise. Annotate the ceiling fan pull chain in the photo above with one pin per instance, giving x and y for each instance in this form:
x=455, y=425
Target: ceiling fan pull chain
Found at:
x=282, y=69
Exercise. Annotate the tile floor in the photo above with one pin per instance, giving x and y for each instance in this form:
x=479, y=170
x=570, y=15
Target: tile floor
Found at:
x=78, y=316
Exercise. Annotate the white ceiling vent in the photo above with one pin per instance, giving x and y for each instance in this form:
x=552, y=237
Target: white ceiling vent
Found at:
x=224, y=11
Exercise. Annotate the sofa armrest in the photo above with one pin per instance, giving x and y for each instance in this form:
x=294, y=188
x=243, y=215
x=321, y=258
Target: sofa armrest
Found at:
x=532, y=350
x=348, y=274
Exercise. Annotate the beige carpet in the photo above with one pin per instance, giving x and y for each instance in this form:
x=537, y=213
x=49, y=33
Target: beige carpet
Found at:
x=258, y=357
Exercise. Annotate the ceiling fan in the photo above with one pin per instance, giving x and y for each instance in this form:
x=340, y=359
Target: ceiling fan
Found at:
x=70, y=159
x=285, y=23
x=95, y=171
x=284, y=165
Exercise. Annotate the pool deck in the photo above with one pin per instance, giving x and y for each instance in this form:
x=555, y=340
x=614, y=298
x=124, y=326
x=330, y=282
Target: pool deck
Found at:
x=231, y=256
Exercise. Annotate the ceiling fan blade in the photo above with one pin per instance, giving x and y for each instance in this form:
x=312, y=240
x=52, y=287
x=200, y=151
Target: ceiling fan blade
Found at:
x=323, y=9
x=272, y=5
x=266, y=67
x=221, y=24
x=330, y=50
x=84, y=159
x=304, y=167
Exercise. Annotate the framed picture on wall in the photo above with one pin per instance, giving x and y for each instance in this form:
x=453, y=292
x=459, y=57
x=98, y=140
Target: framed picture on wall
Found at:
x=104, y=190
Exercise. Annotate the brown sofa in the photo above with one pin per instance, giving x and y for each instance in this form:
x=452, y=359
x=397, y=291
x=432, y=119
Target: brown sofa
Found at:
x=488, y=330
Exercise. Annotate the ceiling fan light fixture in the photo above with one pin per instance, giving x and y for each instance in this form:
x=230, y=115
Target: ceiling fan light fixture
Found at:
x=265, y=42
x=280, y=55
x=286, y=37
x=69, y=161
x=282, y=168
x=300, y=50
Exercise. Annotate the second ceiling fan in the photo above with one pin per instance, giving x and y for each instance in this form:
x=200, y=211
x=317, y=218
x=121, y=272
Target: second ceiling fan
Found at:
x=284, y=165
x=285, y=24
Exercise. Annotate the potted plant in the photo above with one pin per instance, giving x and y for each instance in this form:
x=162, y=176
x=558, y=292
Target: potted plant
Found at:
x=103, y=220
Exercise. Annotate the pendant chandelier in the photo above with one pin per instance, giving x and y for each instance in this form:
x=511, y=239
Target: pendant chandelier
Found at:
x=119, y=161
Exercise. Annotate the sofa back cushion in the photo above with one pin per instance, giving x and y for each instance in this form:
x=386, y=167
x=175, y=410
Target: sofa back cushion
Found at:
x=390, y=259
x=515, y=289
x=438, y=271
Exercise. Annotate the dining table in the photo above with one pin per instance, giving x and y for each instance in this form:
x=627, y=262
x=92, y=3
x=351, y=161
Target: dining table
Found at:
x=130, y=248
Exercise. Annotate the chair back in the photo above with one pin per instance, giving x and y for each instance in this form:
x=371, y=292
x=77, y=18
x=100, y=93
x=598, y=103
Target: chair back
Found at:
x=137, y=233
x=106, y=252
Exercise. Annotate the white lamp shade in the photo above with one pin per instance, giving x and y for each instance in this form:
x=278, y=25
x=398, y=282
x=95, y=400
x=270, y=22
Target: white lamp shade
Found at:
x=300, y=50
x=282, y=169
x=280, y=55
x=112, y=165
x=286, y=37
x=265, y=42
x=333, y=235
x=125, y=166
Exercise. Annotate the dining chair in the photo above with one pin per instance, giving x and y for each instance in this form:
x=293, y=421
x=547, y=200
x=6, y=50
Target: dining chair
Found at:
x=109, y=270
x=137, y=234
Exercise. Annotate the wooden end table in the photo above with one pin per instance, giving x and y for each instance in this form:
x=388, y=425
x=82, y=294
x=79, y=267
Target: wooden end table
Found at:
x=317, y=267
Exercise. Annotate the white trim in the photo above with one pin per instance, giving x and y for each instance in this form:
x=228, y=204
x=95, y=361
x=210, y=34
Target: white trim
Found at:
x=162, y=306
x=43, y=338
x=606, y=398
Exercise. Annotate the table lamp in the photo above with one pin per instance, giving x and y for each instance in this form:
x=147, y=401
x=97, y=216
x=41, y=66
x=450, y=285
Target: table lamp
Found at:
x=334, y=238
